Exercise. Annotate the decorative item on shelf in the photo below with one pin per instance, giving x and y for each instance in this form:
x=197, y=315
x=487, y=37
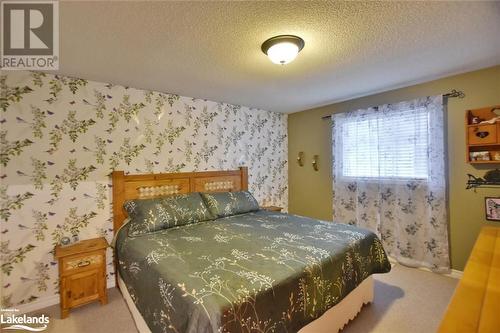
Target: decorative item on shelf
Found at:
x=491, y=121
x=480, y=156
x=65, y=241
x=496, y=111
x=492, y=176
x=492, y=206
x=315, y=162
x=496, y=156
x=490, y=179
x=75, y=238
x=476, y=120
x=300, y=158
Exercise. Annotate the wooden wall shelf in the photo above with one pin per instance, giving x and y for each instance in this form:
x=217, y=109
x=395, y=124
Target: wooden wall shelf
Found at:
x=483, y=138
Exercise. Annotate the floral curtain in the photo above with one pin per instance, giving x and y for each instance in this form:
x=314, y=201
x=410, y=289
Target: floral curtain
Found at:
x=389, y=176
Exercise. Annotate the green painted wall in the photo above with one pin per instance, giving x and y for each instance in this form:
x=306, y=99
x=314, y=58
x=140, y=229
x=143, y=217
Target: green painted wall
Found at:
x=310, y=192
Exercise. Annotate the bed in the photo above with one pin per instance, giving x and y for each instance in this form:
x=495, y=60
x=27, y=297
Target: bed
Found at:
x=254, y=272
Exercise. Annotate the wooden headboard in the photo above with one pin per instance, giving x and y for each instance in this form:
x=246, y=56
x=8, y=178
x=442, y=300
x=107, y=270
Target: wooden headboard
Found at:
x=127, y=187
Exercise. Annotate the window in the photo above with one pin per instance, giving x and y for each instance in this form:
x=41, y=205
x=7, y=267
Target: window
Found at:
x=389, y=176
x=390, y=144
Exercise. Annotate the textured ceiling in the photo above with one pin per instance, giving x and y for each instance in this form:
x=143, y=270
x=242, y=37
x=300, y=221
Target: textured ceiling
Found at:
x=212, y=49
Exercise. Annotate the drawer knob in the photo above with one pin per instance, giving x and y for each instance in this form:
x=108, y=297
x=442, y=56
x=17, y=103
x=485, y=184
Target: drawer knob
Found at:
x=83, y=263
x=482, y=135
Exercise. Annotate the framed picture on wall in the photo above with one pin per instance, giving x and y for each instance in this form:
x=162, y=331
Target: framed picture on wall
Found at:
x=492, y=205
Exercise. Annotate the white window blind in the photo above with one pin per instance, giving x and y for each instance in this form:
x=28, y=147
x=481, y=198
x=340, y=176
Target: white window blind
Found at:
x=386, y=145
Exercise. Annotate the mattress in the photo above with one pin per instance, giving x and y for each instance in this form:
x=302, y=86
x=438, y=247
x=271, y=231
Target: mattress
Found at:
x=261, y=271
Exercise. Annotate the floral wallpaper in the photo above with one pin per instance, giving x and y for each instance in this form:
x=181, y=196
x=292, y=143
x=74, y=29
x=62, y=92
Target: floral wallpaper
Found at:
x=60, y=138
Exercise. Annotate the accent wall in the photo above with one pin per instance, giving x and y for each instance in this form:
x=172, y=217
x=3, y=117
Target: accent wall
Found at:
x=61, y=137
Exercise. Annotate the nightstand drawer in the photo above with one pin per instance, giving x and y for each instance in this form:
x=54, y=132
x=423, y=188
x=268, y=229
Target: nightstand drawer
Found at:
x=88, y=261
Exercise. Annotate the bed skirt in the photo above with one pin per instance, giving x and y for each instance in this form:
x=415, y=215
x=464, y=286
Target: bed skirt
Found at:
x=334, y=319
x=331, y=321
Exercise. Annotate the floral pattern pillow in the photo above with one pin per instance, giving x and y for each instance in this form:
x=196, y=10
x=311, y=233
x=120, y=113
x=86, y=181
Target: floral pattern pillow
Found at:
x=149, y=215
x=224, y=204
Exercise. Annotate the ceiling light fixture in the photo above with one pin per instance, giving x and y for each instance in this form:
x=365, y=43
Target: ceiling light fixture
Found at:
x=282, y=49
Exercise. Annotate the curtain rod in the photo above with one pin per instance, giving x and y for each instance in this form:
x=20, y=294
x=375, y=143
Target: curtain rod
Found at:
x=454, y=93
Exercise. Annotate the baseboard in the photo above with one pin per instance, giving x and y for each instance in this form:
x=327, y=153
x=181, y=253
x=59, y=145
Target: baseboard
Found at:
x=37, y=305
x=46, y=302
x=454, y=273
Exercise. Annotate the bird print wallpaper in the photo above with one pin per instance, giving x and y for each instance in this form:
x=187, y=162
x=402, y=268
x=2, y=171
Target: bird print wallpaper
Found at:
x=61, y=137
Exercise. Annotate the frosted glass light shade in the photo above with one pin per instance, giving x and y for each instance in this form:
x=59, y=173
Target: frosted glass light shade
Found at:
x=283, y=53
x=282, y=49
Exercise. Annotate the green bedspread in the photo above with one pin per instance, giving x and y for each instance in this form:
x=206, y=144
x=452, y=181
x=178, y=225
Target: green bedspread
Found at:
x=255, y=272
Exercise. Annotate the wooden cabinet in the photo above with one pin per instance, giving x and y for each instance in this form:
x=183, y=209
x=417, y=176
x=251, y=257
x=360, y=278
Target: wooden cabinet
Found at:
x=82, y=273
x=483, y=135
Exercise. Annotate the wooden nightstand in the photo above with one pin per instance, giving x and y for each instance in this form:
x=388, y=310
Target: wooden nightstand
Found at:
x=82, y=273
x=272, y=208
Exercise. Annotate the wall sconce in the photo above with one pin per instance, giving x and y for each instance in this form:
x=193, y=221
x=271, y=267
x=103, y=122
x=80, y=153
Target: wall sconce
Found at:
x=300, y=158
x=315, y=162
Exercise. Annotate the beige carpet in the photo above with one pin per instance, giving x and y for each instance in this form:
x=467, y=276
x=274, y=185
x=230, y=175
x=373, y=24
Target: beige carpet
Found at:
x=406, y=300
